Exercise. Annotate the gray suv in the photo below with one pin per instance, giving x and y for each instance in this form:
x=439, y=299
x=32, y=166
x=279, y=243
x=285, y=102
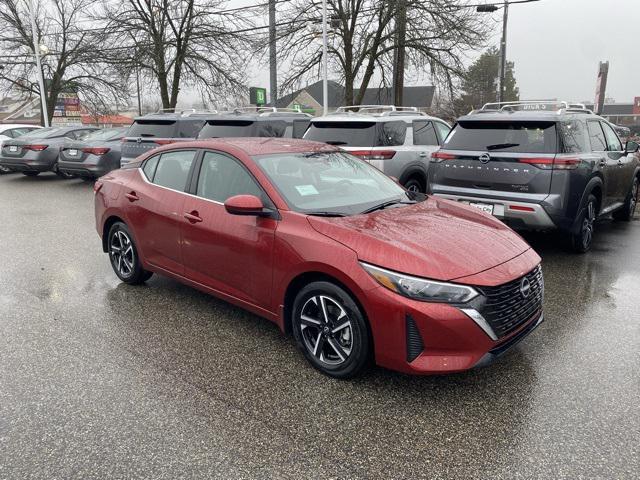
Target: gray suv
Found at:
x=539, y=166
x=397, y=140
x=256, y=122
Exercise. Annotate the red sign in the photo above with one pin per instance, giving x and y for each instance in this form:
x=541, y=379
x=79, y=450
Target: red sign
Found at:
x=636, y=106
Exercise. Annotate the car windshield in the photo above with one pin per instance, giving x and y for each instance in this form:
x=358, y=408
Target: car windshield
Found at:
x=505, y=136
x=40, y=133
x=152, y=128
x=331, y=183
x=106, y=134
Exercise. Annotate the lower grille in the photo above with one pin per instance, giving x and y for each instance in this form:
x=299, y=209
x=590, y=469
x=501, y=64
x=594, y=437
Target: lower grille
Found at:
x=509, y=306
x=414, y=340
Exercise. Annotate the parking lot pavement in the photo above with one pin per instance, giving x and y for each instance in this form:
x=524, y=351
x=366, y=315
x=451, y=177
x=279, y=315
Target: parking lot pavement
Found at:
x=99, y=379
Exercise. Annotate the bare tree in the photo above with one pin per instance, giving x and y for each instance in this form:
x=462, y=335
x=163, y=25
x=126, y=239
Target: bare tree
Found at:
x=436, y=36
x=72, y=60
x=178, y=43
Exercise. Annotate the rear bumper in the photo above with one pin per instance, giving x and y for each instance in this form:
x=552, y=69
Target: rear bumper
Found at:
x=83, y=169
x=27, y=165
x=518, y=214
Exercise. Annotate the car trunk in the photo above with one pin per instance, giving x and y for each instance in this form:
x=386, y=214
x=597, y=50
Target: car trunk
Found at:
x=503, y=156
x=79, y=151
x=19, y=148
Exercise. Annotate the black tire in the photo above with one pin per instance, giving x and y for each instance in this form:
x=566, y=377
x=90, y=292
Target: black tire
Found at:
x=626, y=213
x=123, y=255
x=414, y=185
x=337, y=352
x=31, y=174
x=582, y=240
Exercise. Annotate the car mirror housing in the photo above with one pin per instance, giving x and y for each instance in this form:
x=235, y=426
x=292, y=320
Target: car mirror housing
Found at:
x=632, y=147
x=246, y=205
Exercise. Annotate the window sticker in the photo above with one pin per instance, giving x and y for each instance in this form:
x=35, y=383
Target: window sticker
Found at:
x=306, y=190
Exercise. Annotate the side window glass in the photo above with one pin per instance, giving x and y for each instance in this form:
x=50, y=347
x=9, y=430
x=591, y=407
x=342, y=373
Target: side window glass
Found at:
x=149, y=168
x=393, y=134
x=10, y=133
x=222, y=177
x=574, y=137
x=443, y=131
x=598, y=142
x=300, y=127
x=271, y=129
x=424, y=133
x=613, y=142
x=173, y=169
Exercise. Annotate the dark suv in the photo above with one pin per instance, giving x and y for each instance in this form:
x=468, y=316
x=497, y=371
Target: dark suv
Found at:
x=539, y=166
x=150, y=131
x=256, y=122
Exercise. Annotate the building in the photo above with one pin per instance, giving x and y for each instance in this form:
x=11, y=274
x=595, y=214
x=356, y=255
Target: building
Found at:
x=310, y=98
x=623, y=114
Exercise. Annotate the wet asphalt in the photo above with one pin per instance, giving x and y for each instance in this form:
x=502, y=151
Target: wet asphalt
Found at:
x=103, y=380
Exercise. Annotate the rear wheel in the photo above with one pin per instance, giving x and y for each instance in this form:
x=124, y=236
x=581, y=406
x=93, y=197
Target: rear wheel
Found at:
x=124, y=255
x=626, y=213
x=330, y=330
x=31, y=174
x=414, y=185
x=582, y=240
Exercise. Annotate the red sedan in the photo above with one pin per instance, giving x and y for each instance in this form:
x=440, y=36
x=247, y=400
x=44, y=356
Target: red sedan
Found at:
x=329, y=248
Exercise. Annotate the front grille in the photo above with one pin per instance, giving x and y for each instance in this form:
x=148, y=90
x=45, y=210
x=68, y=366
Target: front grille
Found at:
x=506, y=308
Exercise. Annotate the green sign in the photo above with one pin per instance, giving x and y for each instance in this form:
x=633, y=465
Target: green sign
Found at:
x=257, y=96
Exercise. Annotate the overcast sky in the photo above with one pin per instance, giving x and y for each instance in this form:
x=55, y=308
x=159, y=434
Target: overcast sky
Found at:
x=556, y=46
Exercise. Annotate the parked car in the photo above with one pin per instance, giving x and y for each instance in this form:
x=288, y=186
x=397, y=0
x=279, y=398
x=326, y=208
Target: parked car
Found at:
x=561, y=167
x=13, y=130
x=95, y=155
x=397, y=140
x=160, y=128
x=256, y=122
x=37, y=151
x=327, y=247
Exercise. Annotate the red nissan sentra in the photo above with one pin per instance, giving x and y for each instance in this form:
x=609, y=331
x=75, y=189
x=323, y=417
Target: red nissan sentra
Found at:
x=329, y=248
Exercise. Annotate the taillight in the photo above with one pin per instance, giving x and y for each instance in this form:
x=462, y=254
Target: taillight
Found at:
x=35, y=148
x=96, y=150
x=521, y=208
x=438, y=157
x=374, y=154
x=557, y=163
x=164, y=142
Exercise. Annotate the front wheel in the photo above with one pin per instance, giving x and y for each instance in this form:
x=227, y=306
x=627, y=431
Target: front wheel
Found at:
x=582, y=240
x=414, y=185
x=626, y=213
x=124, y=256
x=330, y=330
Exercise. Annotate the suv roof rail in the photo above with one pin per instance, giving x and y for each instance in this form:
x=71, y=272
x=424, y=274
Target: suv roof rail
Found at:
x=535, y=105
x=266, y=110
x=384, y=110
x=182, y=113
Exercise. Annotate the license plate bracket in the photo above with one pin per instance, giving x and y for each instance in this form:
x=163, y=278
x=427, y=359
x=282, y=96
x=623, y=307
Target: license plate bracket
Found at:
x=485, y=207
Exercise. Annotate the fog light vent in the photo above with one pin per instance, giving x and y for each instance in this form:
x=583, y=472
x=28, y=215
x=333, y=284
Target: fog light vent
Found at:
x=414, y=340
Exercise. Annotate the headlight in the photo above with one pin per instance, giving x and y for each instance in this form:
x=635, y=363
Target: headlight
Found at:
x=421, y=288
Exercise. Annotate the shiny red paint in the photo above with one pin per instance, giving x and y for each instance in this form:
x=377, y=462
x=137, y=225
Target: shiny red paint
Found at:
x=244, y=205
x=251, y=261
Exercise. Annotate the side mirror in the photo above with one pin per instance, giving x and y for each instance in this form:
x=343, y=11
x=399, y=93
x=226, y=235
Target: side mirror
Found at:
x=632, y=147
x=245, y=205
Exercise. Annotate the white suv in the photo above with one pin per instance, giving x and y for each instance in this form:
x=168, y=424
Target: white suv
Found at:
x=397, y=140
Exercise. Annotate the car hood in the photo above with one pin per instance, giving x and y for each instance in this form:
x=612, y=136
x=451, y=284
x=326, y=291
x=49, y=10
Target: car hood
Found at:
x=437, y=239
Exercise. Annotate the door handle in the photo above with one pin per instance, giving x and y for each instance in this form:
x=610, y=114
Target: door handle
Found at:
x=132, y=196
x=193, y=217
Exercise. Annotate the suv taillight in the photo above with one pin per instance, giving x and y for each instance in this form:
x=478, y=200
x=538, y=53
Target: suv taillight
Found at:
x=35, y=148
x=558, y=163
x=437, y=157
x=96, y=150
x=374, y=154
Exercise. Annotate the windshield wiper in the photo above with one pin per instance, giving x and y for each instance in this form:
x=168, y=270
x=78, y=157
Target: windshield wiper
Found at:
x=335, y=142
x=326, y=214
x=500, y=146
x=384, y=205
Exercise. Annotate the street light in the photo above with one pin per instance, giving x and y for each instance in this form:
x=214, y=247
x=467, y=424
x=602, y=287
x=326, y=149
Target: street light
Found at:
x=503, y=42
x=36, y=52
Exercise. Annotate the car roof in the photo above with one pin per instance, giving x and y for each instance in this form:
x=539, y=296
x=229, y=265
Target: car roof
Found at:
x=373, y=117
x=258, y=117
x=8, y=126
x=525, y=116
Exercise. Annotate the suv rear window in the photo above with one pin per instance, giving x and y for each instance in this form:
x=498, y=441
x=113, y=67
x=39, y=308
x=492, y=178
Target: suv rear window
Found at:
x=352, y=134
x=518, y=137
x=152, y=128
x=242, y=128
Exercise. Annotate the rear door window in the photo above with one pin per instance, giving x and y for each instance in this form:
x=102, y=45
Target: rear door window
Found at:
x=517, y=137
x=596, y=135
x=424, y=133
x=153, y=128
x=613, y=142
x=173, y=169
x=149, y=168
x=392, y=134
x=349, y=134
x=573, y=135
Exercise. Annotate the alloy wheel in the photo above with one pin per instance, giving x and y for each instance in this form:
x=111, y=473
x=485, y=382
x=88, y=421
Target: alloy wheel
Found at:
x=121, y=253
x=588, y=224
x=326, y=330
x=634, y=198
x=413, y=188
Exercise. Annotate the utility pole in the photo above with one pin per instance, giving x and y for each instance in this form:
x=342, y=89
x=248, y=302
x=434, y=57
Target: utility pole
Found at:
x=36, y=51
x=273, y=80
x=325, y=68
x=399, y=57
x=138, y=89
x=503, y=52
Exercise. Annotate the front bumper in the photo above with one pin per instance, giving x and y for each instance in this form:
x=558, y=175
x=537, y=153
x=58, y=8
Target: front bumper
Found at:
x=517, y=214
